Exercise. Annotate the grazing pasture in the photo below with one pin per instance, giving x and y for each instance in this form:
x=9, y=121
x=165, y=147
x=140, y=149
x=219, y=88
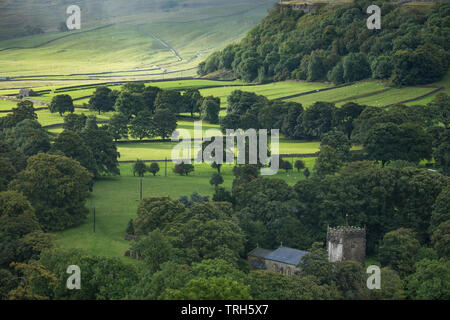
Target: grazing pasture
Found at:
x=117, y=198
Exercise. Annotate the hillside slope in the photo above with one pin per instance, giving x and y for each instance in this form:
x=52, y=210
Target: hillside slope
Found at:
x=144, y=38
x=333, y=43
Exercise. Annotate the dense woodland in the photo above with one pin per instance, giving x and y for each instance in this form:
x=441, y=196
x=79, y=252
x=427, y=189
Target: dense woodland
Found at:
x=334, y=44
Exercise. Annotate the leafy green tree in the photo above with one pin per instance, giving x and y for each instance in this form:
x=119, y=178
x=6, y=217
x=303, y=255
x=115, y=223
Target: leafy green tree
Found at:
x=139, y=168
x=356, y=67
x=199, y=238
x=183, y=169
x=215, y=180
x=222, y=195
x=171, y=276
x=101, y=100
x=285, y=165
x=153, y=168
x=42, y=181
x=441, y=208
x=315, y=263
x=267, y=285
x=61, y=103
x=306, y=173
x=118, y=126
x=103, y=147
x=442, y=152
x=18, y=159
x=28, y=137
x=441, y=106
x=392, y=287
x=214, y=288
x=17, y=219
x=299, y=165
x=193, y=100
x=318, y=119
x=71, y=145
x=431, y=280
x=7, y=172
x=382, y=67
x=142, y=126
x=398, y=250
x=350, y=278
x=165, y=123
x=170, y=100
x=8, y=282
x=240, y=102
x=32, y=272
x=155, y=249
x=339, y=142
x=336, y=75
x=134, y=87
x=388, y=141
x=25, y=110
x=217, y=268
x=130, y=104
x=316, y=70
x=102, y=278
x=210, y=109
x=231, y=121
x=416, y=142
x=150, y=93
x=441, y=239
x=345, y=116
x=130, y=227
x=328, y=161
x=74, y=122
x=156, y=212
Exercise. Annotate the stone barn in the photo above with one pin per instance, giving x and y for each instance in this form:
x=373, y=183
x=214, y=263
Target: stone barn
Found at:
x=27, y=92
x=346, y=243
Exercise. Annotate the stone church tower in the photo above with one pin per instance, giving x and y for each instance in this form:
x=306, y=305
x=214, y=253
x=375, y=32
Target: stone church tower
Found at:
x=346, y=243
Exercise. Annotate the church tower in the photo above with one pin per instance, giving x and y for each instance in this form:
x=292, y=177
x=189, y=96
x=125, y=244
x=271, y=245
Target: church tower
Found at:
x=346, y=243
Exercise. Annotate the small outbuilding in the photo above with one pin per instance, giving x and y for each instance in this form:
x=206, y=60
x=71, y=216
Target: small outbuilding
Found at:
x=27, y=92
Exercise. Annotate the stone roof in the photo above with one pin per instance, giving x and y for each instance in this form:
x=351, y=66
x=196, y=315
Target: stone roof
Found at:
x=286, y=255
x=259, y=252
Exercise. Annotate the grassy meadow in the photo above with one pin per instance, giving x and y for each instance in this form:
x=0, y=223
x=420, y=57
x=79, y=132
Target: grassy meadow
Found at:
x=116, y=200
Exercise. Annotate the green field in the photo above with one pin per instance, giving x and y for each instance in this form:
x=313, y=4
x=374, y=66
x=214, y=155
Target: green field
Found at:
x=7, y=105
x=117, y=198
x=373, y=93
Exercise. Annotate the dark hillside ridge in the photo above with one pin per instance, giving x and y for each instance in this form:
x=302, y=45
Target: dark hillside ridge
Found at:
x=333, y=43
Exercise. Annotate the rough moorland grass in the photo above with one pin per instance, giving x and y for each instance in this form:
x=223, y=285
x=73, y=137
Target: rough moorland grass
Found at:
x=117, y=198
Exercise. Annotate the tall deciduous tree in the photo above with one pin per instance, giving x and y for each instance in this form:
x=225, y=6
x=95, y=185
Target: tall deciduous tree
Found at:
x=57, y=187
x=103, y=147
x=73, y=146
x=61, y=103
x=28, y=137
x=101, y=100
x=143, y=126
x=165, y=123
